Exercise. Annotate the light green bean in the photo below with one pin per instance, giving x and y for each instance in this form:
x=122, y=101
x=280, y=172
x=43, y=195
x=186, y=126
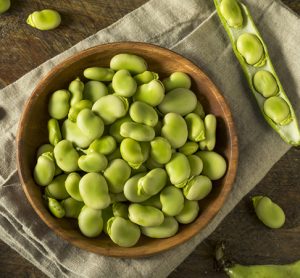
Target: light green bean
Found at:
x=174, y=130
x=93, y=90
x=177, y=80
x=123, y=232
x=173, y=102
x=90, y=222
x=167, y=229
x=124, y=84
x=145, y=216
x=99, y=74
x=44, y=169
x=76, y=89
x=58, y=106
x=44, y=19
x=133, y=63
x=172, y=200
x=66, y=156
x=54, y=133
x=94, y=191
x=268, y=212
x=116, y=174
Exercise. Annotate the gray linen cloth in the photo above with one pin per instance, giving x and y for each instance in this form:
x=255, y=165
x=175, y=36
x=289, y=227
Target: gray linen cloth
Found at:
x=191, y=28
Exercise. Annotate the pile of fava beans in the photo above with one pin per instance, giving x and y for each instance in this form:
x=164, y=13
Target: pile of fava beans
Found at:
x=128, y=154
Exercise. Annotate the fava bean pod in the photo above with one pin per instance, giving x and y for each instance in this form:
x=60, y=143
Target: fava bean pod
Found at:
x=252, y=53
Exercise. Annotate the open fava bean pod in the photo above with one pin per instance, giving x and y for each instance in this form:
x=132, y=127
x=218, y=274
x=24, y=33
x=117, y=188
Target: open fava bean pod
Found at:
x=252, y=53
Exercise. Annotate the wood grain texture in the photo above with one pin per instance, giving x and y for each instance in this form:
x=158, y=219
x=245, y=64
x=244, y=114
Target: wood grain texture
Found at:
x=32, y=134
x=31, y=47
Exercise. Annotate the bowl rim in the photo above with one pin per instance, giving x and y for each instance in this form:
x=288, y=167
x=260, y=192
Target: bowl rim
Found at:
x=133, y=251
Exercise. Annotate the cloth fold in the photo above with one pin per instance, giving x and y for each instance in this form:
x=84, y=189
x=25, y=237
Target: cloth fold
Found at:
x=192, y=29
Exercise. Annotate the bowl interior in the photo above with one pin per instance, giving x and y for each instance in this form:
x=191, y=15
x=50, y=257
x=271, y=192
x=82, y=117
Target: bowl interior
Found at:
x=33, y=132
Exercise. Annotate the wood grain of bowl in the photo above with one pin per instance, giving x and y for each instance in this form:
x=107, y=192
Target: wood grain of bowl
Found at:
x=32, y=132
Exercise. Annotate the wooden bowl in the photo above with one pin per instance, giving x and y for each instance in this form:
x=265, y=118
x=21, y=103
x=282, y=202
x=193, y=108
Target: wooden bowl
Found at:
x=32, y=132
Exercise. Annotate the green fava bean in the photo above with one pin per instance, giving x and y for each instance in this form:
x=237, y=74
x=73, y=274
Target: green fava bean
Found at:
x=123, y=232
x=110, y=108
x=175, y=130
x=114, y=129
x=73, y=133
x=143, y=113
x=138, y=132
x=4, y=6
x=72, y=207
x=196, y=165
x=66, y=156
x=214, y=165
x=178, y=169
x=92, y=162
x=161, y=151
x=145, y=77
x=199, y=110
x=172, y=200
x=197, y=188
x=251, y=48
x=189, y=212
x=93, y=90
x=167, y=229
x=177, y=80
x=44, y=20
x=58, y=106
x=99, y=74
x=277, y=110
x=56, y=189
x=189, y=148
x=72, y=186
x=265, y=83
x=145, y=216
x=56, y=208
x=77, y=107
x=44, y=169
x=90, y=222
x=232, y=13
x=151, y=93
x=153, y=201
x=179, y=100
x=133, y=63
x=107, y=213
x=104, y=145
x=132, y=152
x=54, y=133
x=116, y=174
x=195, y=125
x=268, y=212
x=153, y=182
x=210, y=123
x=124, y=84
x=76, y=89
x=120, y=209
x=90, y=124
x=131, y=190
x=46, y=148
x=94, y=191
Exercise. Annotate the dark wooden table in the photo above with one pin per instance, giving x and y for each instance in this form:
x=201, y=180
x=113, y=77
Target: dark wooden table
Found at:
x=23, y=48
